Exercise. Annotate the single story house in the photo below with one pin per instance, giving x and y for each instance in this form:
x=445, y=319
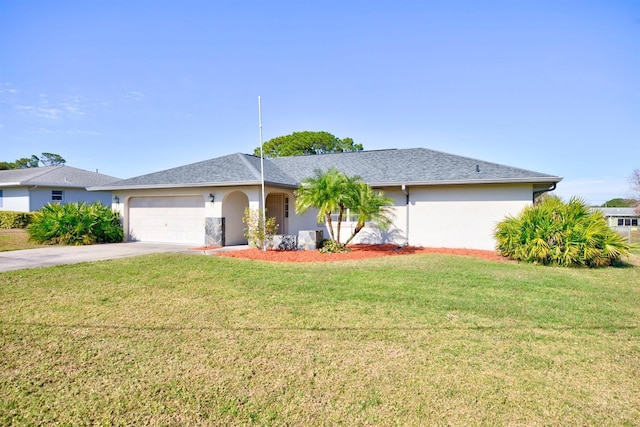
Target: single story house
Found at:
x=619, y=218
x=29, y=189
x=440, y=199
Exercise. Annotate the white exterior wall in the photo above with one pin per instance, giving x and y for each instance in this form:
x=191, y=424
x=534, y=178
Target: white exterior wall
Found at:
x=215, y=209
x=15, y=199
x=463, y=216
x=40, y=196
x=24, y=199
x=449, y=216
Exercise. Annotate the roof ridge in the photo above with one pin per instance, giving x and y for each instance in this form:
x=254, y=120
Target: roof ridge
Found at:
x=253, y=170
x=42, y=173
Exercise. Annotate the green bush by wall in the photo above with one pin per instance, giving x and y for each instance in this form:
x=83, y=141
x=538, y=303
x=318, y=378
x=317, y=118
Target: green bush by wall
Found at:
x=76, y=224
x=10, y=219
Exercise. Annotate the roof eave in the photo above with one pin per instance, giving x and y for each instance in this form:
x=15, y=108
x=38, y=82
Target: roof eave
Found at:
x=531, y=180
x=183, y=185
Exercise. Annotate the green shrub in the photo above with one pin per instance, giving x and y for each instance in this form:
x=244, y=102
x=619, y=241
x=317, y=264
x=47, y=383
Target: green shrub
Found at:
x=257, y=231
x=556, y=233
x=76, y=224
x=10, y=219
x=329, y=246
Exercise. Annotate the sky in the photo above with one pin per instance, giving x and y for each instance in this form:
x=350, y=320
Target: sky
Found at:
x=133, y=87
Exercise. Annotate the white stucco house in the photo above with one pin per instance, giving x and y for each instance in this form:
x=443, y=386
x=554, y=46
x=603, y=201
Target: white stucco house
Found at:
x=29, y=189
x=620, y=218
x=440, y=199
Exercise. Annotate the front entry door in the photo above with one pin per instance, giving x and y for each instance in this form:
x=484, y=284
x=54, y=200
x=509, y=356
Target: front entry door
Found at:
x=275, y=209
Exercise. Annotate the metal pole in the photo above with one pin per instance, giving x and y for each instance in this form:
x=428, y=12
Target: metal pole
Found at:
x=264, y=208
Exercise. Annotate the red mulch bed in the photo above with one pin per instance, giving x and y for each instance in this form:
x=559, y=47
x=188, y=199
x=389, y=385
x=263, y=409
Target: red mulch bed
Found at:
x=357, y=252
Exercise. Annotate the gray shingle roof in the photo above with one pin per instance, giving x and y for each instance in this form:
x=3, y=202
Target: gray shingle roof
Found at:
x=378, y=168
x=410, y=166
x=58, y=176
x=621, y=212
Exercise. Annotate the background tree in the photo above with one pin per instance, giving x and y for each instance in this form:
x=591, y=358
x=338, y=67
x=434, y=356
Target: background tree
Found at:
x=620, y=203
x=27, y=162
x=51, y=159
x=47, y=159
x=307, y=142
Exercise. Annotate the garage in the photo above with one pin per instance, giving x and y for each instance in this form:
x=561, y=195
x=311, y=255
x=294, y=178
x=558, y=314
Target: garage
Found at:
x=178, y=220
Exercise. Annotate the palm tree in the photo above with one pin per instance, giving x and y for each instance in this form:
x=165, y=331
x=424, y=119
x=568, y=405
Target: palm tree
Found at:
x=370, y=206
x=558, y=233
x=334, y=191
x=326, y=192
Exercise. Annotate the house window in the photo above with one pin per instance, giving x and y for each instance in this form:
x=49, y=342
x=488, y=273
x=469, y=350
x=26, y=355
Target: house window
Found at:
x=620, y=222
x=0, y=198
x=634, y=221
x=57, y=195
x=286, y=207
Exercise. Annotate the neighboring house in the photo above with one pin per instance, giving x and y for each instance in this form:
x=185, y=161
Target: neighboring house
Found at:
x=29, y=189
x=440, y=199
x=620, y=218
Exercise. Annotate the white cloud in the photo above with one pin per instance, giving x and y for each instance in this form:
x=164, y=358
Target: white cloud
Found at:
x=69, y=132
x=52, y=111
x=38, y=111
x=135, y=95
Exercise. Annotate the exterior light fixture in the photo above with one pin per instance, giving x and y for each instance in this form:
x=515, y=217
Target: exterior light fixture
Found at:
x=116, y=199
x=212, y=198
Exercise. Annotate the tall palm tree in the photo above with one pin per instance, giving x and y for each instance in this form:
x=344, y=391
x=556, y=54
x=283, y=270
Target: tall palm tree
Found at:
x=369, y=205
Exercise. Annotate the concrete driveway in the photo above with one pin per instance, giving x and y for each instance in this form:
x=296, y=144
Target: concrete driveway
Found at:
x=57, y=255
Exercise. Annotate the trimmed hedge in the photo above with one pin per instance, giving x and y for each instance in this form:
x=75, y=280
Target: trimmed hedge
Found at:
x=10, y=219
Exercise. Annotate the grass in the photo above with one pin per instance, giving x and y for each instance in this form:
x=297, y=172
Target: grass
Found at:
x=15, y=239
x=174, y=339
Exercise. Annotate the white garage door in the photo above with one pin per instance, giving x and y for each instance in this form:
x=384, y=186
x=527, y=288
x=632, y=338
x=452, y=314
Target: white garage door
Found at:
x=167, y=219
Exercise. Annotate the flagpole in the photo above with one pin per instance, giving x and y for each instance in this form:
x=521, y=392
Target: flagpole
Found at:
x=264, y=207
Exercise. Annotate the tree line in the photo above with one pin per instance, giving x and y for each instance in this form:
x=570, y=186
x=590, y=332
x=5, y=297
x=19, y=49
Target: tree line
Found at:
x=46, y=159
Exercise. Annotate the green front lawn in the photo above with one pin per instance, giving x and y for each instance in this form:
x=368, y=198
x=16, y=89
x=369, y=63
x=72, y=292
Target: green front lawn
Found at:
x=408, y=340
x=14, y=239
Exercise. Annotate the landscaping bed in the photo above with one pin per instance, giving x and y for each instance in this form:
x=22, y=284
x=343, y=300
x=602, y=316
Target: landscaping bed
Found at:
x=360, y=251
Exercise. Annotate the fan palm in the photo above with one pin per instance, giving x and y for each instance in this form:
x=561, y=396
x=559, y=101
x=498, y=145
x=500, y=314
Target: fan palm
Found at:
x=554, y=232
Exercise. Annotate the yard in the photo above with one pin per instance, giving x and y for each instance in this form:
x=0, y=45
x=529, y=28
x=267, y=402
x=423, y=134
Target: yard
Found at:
x=425, y=339
x=15, y=239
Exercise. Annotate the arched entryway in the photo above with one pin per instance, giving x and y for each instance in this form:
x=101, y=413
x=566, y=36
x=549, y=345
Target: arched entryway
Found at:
x=233, y=207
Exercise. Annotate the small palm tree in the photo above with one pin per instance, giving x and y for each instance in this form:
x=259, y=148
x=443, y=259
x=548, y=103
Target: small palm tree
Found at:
x=370, y=206
x=326, y=192
x=334, y=191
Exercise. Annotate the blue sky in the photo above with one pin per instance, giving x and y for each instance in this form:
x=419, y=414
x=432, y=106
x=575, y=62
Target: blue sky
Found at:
x=132, y=87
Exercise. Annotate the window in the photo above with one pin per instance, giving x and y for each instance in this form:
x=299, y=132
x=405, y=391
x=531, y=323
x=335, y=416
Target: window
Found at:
x=620, y=222
x=634, y=221
x=286, y=207
x=0, y=198
x=56, y=195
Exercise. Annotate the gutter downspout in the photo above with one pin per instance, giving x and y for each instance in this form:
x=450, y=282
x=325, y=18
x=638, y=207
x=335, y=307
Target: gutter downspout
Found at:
x=536, y=194
x=406, y=193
